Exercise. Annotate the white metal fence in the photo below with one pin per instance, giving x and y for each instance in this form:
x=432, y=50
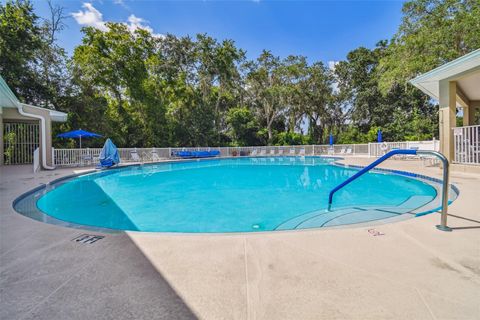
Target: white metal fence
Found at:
x=379, y=149
x=89, y=156
x=467, y=144
x=20, y=141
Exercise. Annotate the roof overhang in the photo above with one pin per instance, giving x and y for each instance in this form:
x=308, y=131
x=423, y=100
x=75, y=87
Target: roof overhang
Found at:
x=55, y=116
x=465, y=70
x=9, y=100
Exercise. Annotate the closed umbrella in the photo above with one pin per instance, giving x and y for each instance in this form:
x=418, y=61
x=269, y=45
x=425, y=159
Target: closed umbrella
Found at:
x=379, y=136
x=79, y=134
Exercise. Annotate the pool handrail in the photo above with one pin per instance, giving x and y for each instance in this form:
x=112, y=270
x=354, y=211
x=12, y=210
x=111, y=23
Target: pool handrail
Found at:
x=443, y=224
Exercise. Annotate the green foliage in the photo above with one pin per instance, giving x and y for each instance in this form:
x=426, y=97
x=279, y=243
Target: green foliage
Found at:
x=432, y=32
x=31, y=62
x=243, y=127
x=143, y=90
x=291, y=138
x=9, y=139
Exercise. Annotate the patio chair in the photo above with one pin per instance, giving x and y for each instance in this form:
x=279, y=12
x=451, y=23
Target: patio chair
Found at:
x=416, y=156
x=343, y=150
x=154, y=156
x=349, y=151
x=86, y=159
x=292, y=151
x=302, y=152
x=254, y=152
x=134, y=156
x=272, y=152
x=280, y=152
x=263, y=152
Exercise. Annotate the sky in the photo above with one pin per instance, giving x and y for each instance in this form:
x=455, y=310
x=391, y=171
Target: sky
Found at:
x=320, y=30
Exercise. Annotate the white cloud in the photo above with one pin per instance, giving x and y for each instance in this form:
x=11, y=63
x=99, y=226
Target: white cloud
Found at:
x=90, y=17
x=135, y=23
x=94, y=18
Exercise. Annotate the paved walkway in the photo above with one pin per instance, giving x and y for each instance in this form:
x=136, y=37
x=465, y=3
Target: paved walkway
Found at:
x=412, y=271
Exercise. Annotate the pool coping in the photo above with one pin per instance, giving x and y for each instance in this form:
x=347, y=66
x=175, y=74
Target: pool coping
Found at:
x=61, y=223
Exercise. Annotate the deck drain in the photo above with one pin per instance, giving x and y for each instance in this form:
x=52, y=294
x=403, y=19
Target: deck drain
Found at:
x=87, y=238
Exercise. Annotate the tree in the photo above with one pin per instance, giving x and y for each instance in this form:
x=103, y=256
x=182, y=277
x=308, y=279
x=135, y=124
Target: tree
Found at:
x=317, y=101
x=20, y=40
x=31, y=62
x=432, y=33
x=118, y=63
x=243, y=126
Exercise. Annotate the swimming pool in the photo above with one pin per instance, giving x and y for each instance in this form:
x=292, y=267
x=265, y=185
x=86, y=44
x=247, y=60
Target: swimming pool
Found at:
x=227, y=195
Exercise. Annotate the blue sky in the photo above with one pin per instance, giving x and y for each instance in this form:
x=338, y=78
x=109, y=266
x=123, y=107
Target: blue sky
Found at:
x=321, y=30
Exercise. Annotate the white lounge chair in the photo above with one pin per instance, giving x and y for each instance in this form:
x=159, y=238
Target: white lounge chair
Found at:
x=280, y=152
x=272, y=152
x=292, y=152
x=134, y=156
x=254, y=152
x=154, y=156
x=349, y=151
x=86, y=159
x=343, y=150
x=302, y=152
x=263, y=152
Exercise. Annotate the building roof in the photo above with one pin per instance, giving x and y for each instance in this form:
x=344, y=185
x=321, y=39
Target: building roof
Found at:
x=9, y=100
x=465, y=70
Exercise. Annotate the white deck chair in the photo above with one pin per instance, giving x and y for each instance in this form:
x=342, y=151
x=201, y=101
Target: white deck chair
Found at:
x=272, y=152
x=135, y=157
x=154, y=156
x=263, y=152
x=302, y=152
x=343, y=150
x=254, y=152
x=280, y=152
x=292, y=152
x=86, y=159
x=349, y=151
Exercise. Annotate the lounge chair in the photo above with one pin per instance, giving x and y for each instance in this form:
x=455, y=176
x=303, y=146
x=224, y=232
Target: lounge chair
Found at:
x=272, y=152
x=292, y=152
x=254, y=152
x=280, y=152
x=134, y=156
x=343, y=150
x=154, y=156
x=86, y=159
x=349, y=151
x=302, y=152
x=263, y=152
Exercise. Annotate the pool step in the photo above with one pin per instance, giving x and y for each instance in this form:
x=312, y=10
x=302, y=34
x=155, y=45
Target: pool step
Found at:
x=351, y=215
x=296, y=221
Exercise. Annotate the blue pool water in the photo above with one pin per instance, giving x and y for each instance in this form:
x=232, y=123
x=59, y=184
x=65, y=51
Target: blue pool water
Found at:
x=229, y=195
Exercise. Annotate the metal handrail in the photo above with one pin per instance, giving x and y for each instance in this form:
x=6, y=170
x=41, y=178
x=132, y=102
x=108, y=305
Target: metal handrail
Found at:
x=443, y=223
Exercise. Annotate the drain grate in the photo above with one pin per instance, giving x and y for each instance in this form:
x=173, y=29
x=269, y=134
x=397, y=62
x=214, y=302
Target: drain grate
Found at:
x=87, y=238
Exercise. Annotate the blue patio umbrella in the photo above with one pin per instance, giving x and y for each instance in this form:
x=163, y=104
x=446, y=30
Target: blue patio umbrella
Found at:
x=79, y=134
x=331, y=139
x=379, y=136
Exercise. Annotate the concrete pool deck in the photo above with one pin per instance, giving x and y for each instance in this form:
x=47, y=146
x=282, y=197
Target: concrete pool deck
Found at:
x=409, y=271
